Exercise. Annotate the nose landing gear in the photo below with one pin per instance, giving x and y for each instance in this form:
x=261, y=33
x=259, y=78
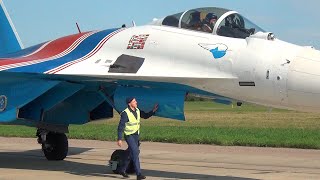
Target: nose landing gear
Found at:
x=54, y=145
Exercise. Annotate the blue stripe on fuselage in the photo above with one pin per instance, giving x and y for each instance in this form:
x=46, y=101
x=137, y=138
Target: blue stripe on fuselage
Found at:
x=83, y=49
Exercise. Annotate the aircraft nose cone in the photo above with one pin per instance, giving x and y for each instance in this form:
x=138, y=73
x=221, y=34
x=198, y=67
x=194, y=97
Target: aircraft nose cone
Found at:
x=304, y=81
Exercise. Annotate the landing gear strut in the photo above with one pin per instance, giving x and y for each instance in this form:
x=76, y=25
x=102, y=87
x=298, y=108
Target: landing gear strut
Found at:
x=54, y=145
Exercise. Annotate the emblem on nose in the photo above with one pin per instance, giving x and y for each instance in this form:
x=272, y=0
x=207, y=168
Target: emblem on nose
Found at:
x=218, y=50
x=3, y=103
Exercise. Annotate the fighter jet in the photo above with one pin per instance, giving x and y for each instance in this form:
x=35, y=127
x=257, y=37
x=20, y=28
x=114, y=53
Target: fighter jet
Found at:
x=211, y=52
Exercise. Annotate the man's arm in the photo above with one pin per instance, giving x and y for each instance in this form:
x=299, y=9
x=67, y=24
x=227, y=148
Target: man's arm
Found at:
x=145, y=115
x=123, y=120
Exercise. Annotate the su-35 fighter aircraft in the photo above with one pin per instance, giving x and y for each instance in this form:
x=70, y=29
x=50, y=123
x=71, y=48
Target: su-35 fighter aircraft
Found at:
x=210, y=52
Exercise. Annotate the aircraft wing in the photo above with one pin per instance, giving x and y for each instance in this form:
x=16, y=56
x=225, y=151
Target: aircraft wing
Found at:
x=59, y=100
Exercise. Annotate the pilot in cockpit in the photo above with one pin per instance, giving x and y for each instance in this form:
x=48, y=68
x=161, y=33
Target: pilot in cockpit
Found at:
x=208, y=22
x=195, y=22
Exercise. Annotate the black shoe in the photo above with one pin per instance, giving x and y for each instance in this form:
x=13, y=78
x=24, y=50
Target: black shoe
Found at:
x=124, y=174
x=141, y=177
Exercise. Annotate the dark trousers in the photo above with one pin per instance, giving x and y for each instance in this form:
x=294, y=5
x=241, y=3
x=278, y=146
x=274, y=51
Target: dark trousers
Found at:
x=133, y=146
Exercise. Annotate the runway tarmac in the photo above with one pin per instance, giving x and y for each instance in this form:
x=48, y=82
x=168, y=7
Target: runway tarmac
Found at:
x=23, y=159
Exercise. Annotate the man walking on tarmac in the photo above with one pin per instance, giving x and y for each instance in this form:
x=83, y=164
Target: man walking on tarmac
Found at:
x=130, y=125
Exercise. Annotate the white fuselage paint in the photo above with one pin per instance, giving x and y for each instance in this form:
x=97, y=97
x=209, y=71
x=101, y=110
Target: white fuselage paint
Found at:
x=285, y=75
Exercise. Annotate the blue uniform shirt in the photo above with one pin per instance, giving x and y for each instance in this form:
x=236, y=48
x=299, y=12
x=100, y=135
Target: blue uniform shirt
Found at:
x=124, y=119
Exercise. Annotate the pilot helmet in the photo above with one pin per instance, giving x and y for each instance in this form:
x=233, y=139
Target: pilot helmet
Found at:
x=209, y=17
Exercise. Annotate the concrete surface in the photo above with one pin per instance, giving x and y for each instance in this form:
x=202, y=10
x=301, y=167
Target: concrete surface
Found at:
x=23, y=159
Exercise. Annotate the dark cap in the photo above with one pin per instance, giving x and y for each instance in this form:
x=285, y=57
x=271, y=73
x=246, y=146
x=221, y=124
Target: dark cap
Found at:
x=210, y=16
x=129, y=99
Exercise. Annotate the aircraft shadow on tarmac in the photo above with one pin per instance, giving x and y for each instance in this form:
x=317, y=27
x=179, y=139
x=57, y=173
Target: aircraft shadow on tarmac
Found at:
x=33, y=160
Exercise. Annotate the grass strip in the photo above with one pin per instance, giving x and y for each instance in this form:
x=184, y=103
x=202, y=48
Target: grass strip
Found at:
x=226, y=136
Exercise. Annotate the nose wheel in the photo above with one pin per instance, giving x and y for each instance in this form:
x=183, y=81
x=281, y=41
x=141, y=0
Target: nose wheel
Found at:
x=54, y=145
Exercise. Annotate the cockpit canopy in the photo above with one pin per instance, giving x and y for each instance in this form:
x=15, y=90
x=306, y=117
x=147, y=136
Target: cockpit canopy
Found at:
x=213, y=20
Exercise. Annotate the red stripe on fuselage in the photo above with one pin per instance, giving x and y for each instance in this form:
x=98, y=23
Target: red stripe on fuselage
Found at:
x=93, y=52
x=53, y=48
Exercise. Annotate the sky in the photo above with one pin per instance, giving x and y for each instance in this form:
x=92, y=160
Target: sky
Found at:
x=38, y=21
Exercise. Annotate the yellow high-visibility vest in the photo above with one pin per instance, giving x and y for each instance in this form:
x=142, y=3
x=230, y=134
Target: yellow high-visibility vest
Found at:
x=133, y=125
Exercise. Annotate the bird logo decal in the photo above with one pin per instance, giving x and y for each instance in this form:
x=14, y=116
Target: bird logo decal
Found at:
x=218, y=50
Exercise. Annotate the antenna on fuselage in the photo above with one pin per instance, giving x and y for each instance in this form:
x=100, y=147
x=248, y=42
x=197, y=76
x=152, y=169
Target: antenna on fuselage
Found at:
x=133, y=24
x=78, y=28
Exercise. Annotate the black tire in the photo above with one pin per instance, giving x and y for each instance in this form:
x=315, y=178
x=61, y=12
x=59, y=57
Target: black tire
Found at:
x=120, y=156
x=56, y=147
